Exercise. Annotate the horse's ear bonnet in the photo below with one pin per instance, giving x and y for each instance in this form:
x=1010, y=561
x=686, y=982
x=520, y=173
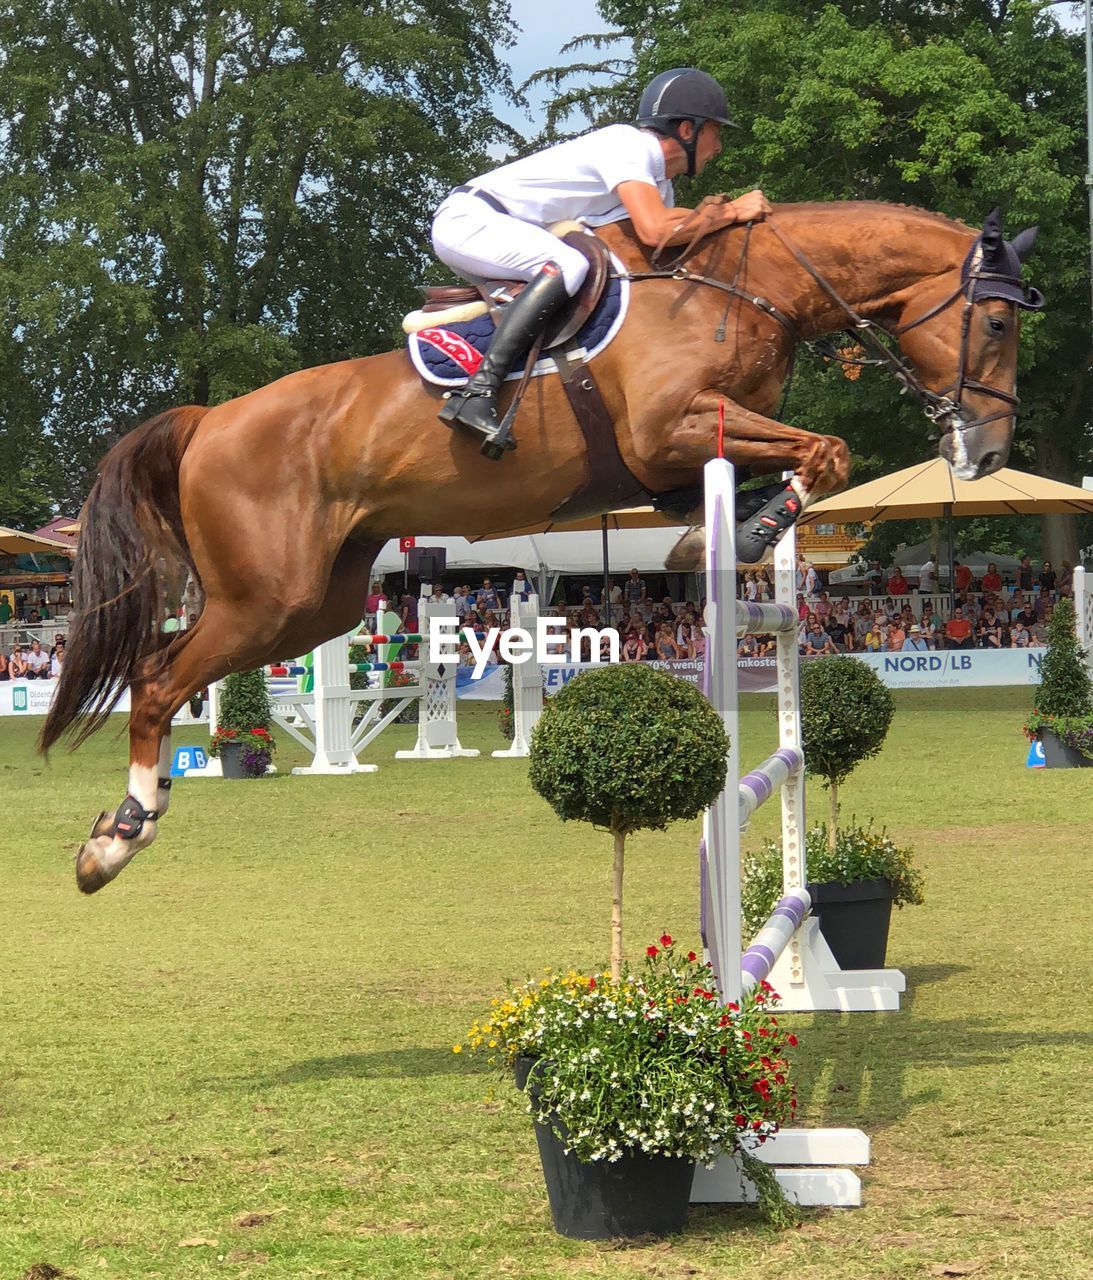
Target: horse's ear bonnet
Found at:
x=995, y=265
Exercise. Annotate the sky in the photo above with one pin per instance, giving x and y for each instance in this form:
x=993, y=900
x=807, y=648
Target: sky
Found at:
x=544, y=28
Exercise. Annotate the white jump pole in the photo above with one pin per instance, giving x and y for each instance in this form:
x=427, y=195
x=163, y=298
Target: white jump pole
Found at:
x=788, y=949
x=527, y=683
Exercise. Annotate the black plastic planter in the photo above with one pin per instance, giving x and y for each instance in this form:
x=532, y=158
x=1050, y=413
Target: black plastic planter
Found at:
x=1057, y=755
x=231, y=759
x=854, y=920
x=637, y=1195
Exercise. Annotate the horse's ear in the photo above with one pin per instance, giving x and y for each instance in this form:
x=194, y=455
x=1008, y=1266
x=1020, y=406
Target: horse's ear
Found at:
x=1023, y=241
x=992, y=230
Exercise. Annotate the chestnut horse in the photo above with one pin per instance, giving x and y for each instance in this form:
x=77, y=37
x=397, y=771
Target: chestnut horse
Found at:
x=279, y=501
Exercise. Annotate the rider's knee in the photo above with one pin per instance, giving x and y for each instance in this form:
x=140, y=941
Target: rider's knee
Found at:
x=574, y=267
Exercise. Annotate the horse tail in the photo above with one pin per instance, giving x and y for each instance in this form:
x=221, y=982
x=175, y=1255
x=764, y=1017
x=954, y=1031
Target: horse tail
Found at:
x=131, y=522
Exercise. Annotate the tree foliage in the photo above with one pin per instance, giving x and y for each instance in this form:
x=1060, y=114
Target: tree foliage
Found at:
x=628, y=748
x=196, y=199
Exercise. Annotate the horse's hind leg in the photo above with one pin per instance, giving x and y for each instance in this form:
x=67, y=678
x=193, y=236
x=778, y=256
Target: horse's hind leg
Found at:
x=225, y=638
x=188, y=664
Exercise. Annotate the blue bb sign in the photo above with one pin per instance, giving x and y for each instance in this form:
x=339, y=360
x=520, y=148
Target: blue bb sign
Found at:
x=188, y=758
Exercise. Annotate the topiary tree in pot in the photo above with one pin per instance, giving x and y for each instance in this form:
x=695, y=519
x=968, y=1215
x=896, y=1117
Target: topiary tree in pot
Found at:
x=243, y=721
x=1063, y=713
x=846, y=711
x=593, y=759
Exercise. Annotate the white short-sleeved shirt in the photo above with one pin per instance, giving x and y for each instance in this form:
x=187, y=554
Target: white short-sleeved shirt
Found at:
x=37, y=661
x=578, y=178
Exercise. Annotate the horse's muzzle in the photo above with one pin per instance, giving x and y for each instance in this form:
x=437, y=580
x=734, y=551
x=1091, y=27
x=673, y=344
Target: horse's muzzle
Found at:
x=975, y=452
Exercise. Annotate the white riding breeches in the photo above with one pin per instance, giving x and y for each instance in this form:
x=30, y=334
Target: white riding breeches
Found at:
x=481, y=243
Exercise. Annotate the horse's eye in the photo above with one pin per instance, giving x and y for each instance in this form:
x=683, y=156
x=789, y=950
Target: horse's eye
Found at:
x=996, y=327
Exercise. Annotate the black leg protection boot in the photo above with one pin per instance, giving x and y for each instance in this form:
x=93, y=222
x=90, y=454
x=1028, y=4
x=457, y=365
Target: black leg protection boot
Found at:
x=475, y=405
x=767, y=525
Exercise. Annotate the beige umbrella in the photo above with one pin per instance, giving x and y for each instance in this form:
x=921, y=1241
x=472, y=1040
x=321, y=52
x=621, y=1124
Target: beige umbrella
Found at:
x=74, y=527
x=13, y=542
x=931, y=490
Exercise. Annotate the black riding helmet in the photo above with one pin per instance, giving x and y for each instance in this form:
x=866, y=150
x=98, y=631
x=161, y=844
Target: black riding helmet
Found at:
x=684, y=93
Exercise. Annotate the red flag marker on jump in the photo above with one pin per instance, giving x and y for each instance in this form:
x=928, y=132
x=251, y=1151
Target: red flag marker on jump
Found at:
x=721, y=428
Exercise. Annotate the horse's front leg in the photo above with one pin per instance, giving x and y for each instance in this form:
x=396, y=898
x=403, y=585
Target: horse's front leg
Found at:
x=820, y=465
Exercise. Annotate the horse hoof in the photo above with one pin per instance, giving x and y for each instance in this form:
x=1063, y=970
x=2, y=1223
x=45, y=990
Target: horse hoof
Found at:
x=689, y=553
x=91, y=872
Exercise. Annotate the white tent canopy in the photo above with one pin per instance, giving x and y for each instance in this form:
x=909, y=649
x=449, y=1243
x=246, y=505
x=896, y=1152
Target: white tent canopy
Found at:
x=913, y=558
x=643, y=549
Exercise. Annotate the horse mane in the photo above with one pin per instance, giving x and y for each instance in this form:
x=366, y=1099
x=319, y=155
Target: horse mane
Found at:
x=842, y=207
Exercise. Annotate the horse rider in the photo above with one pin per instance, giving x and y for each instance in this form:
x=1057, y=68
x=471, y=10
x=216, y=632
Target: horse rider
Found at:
x=494, y=227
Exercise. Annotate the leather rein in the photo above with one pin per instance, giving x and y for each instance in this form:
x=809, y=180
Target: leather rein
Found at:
x=942, y=408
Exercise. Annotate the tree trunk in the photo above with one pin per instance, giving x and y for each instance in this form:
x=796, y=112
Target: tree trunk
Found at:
x=1060, y=539
x=833, y=826
x=616, y=906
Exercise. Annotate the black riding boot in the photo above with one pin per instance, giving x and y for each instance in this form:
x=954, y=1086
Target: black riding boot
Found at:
x=522, y=320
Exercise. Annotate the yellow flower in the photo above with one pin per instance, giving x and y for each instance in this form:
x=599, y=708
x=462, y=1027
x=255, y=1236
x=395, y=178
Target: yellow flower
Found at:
x=457, y=1048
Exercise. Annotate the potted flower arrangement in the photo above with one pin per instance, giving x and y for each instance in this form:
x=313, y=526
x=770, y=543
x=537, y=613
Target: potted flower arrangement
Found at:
x=242, y=740
x=1063, y=716
x=856, y=883
x=632, y=1080
x=846, y=712
x=636, y=1074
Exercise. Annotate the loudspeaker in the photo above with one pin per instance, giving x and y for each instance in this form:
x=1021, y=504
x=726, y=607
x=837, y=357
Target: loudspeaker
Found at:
x=428, y=563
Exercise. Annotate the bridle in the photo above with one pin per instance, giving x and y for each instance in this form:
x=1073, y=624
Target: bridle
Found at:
x=942, y=408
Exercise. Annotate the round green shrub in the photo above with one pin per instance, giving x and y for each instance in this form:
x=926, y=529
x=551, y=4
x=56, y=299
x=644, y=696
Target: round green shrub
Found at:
x=628, y=748
x=244, y=702
x=846, y=711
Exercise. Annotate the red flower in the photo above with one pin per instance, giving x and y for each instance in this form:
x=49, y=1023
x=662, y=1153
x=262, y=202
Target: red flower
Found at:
x=665, y=939
x=691, y=956
x=757, y=1124
x=592, y=984
x=764, y=1031
x=724, y=1020
x=723, y=1050
x=791, y=1040
x=652, y=951
x=740, y=1121
x=733, y=1006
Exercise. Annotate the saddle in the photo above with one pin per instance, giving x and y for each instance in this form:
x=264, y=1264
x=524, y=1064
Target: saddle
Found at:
x=451, y=303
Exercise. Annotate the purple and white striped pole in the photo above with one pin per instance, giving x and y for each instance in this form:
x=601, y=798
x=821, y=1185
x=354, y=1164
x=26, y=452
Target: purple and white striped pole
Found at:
x=751, y=616
x=772, y=939
x=760, y=784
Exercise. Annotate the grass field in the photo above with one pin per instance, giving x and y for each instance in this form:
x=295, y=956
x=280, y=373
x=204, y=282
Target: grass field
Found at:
x=236, y=1060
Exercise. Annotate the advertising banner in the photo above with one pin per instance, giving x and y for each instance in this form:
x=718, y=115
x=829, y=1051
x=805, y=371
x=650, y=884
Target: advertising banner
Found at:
x=947, y=669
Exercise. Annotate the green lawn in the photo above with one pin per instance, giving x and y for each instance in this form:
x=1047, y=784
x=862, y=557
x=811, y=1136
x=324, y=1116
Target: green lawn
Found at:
x=246, y=1040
